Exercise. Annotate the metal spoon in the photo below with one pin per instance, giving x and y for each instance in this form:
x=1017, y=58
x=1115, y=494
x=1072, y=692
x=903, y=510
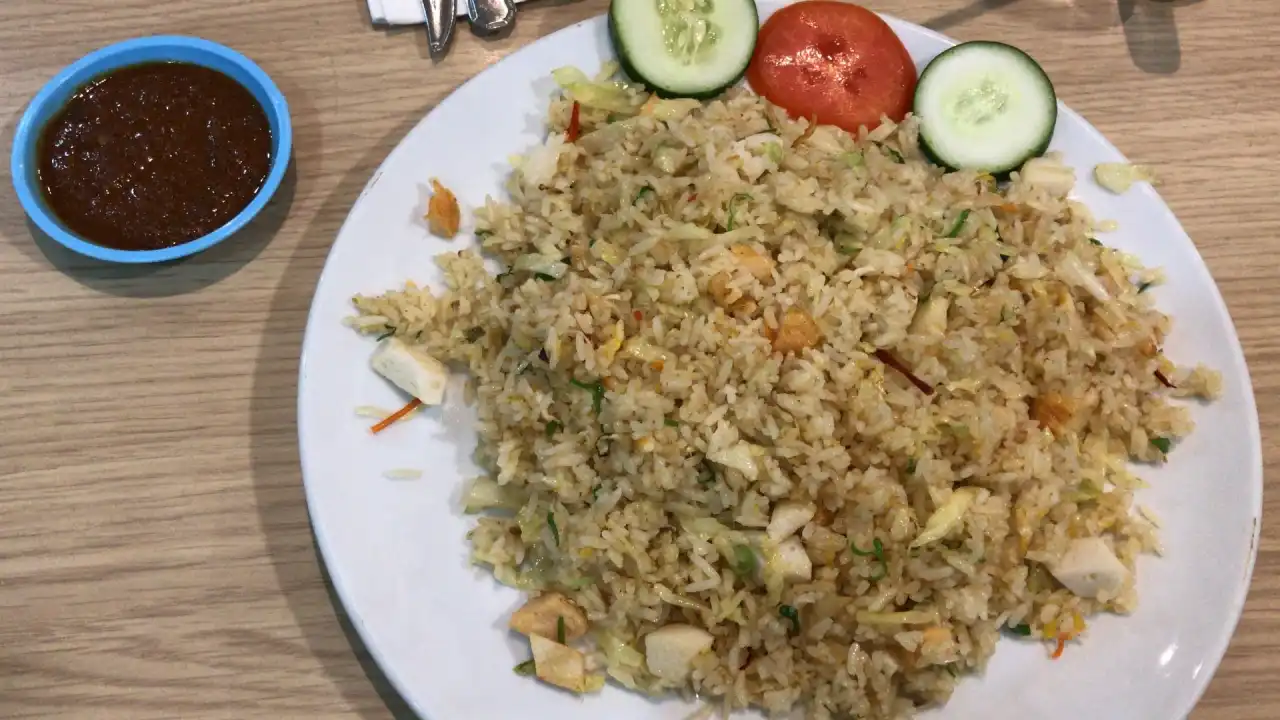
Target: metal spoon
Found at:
x=489, y=17
x=440, y=20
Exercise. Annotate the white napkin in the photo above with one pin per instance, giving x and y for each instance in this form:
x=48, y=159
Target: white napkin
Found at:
x=400, y=12
x=404, y=12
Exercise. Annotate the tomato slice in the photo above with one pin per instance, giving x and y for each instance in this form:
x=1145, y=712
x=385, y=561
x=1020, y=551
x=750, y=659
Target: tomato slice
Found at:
x=833, y=60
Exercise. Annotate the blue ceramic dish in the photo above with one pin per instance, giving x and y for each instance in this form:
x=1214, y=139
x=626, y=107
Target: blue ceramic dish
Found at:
x=54, y=95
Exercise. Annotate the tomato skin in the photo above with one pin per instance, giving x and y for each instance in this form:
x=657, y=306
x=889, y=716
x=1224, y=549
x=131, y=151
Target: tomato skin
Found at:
x=834, y=61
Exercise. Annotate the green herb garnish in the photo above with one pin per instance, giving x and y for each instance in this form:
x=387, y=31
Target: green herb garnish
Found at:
x=670, y=423
x=893, y=154
x=526, y=668
x=877, y=552
x=1096, y=241
x=861, y=553
x=560, y=629
x=553, y=427
x=744, y=560
x=595, y=492
x=597, y=392
x=646, y=190
x=1162, y=444
x=482, y=234
x=789, y=612
x=473, y=334
x=853, y=159
x=959, y=224
x=551, y=523
x=1143, y=287
x=386, y=335
x=911, y=466
x=1024, y=630
x=733, y=208
x=544, y=277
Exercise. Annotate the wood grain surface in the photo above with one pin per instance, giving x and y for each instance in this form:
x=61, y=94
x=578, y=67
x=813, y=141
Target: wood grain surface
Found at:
x=155, y=554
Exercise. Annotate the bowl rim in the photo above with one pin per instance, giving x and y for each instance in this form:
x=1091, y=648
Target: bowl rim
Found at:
x=30, y=126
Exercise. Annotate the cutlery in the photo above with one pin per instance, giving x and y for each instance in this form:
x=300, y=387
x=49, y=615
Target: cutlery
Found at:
x=489, y=17
x=440, y=21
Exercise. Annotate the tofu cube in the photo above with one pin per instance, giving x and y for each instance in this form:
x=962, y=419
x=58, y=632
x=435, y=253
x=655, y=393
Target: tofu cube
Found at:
x=792, y=561
x=542, y=615
x=669, y=651
x=411, y=370
x=558, y=664
x=789, y=517
x=1089, y=568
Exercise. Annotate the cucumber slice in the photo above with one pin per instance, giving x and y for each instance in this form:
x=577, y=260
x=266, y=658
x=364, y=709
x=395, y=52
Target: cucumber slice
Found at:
x=985, y=106
x=684, y=48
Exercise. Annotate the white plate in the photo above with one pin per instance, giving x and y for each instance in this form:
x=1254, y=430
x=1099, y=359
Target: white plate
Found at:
x=397, y=552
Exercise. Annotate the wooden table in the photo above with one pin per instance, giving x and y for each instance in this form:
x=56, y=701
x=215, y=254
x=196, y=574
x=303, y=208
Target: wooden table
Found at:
x=155, y=555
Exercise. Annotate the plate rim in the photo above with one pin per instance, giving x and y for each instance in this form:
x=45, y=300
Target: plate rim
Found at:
x=1256, y=487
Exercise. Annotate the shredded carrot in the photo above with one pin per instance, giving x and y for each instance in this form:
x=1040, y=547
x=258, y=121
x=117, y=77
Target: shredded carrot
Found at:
x=575, y=124
x=657, y=365
x=1062, y=645
x=693, y=196
x=1008, y=207
x=390, y=420
x=639, y=316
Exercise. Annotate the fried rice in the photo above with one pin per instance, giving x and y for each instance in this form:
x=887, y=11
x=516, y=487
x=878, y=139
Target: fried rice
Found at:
x=709, y=312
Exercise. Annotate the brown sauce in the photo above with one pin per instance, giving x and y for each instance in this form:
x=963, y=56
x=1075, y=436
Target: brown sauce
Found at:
x=154, y=155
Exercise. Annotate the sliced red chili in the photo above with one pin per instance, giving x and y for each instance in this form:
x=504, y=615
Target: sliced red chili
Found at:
x=575, y=123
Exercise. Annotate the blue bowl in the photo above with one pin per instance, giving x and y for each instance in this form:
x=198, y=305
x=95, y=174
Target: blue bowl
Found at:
x=162, y=48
